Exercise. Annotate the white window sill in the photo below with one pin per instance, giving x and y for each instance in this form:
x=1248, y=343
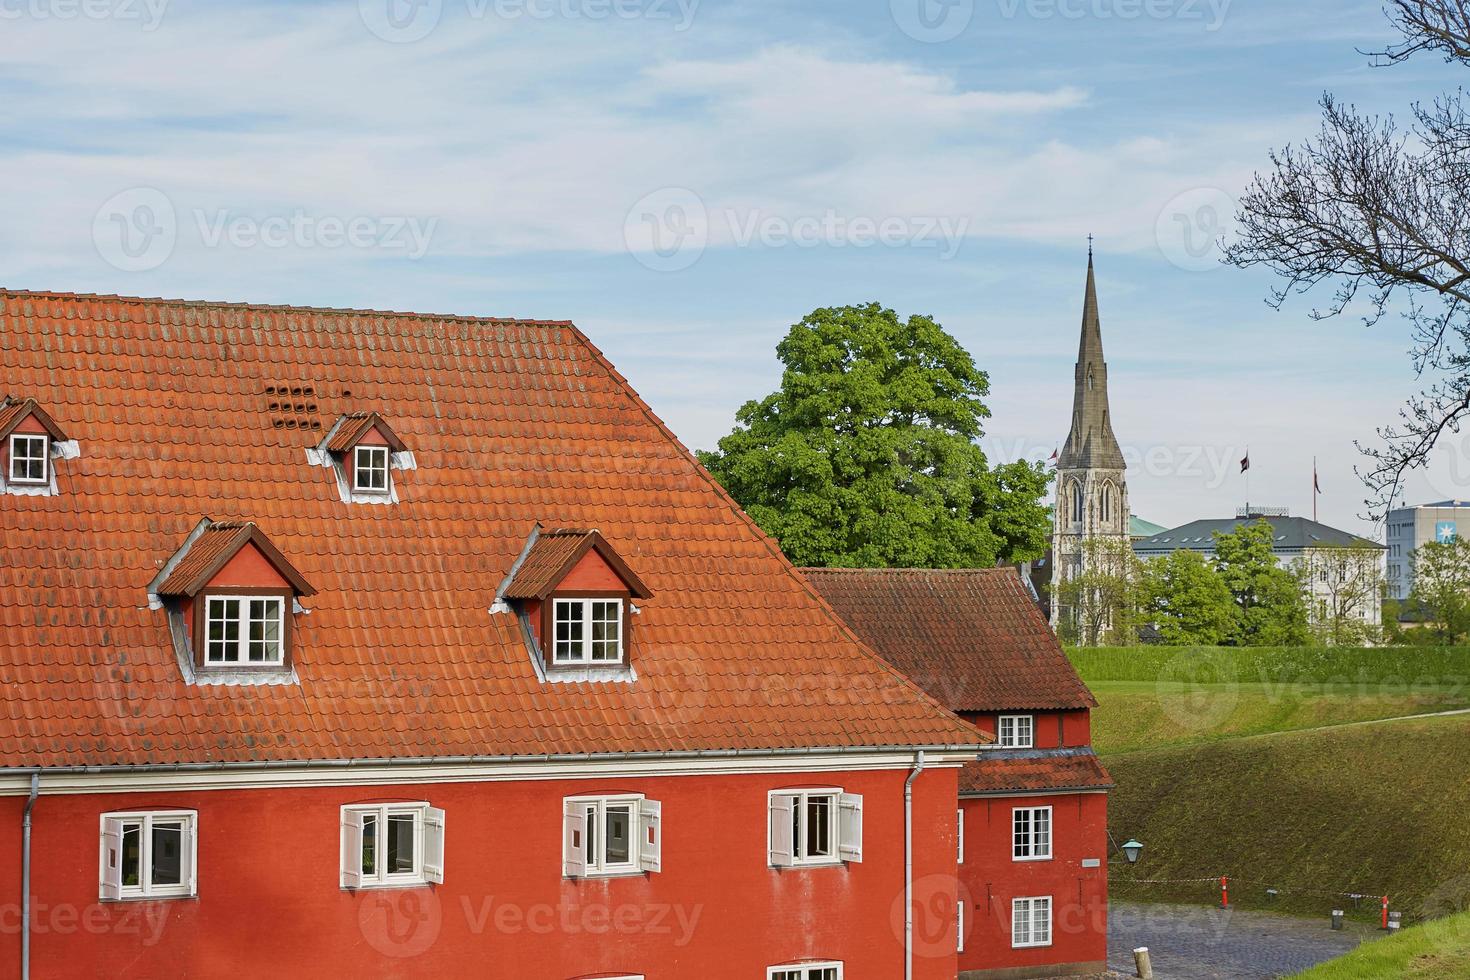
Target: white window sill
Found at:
x=803, y=865
x=1044, y=945
x=170, y=896
x=378, y=886
x=1026, y=860
x=621, y=873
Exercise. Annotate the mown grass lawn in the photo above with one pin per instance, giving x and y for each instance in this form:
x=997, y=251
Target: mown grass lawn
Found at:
x=1437, y=949
x=1152, y=697
x=1375, y=809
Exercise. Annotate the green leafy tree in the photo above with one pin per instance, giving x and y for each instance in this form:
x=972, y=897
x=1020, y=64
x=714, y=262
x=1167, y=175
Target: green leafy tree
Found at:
x=1271, y=606
x=1100, y=605
x=868, y=456
x=1441, y=586
x=1187, y=600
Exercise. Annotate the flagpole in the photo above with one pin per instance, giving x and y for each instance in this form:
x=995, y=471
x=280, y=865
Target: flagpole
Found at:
x=1314, y=489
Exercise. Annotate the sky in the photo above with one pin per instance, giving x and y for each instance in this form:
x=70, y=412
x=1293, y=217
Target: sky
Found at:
x=685, y=179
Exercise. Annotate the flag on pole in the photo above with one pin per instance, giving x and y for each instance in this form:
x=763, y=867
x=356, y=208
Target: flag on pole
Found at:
x=1053, y=459
x=1245, y=464
x=1316, y=485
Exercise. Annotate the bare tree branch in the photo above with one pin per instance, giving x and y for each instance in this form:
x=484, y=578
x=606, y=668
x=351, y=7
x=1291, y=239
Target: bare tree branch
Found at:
x=1381, y=215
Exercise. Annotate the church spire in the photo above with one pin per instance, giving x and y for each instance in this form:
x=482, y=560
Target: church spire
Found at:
x=1091, y=443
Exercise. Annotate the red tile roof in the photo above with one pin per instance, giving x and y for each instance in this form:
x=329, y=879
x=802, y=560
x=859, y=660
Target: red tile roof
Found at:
x=1054, y=773
x=972, y=638
x=552, y=556
x=511, y=423
x=218, y=543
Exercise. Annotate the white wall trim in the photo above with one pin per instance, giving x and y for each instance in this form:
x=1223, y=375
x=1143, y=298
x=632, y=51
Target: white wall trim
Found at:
x=334, y=774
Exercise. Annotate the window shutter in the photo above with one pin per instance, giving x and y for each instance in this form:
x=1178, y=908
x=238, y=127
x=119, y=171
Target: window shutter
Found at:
x=781, y=843
x=110, y=877
x=960, y=824
x=187, y=848
x=651, y=835
x=850, y=838
x=574, y=845
x=434, y=845
x=352, y=848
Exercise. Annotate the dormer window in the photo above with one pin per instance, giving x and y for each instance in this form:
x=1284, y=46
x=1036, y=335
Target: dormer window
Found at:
x=363, y=451
x=370, y=469
x=30, y=457
x=587, y=631
x=29, y=439
x=244, y=630
x=575, y=597
x=234, y=594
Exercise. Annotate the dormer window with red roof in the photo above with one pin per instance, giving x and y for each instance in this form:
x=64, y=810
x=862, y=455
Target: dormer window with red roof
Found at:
x=363, y=451
x=29, y=440
x=575, y=597
x=234, y=596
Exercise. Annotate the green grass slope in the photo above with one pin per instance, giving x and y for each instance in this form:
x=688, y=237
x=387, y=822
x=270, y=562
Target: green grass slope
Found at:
x=1376, y=809
x=1431, y=951
x=1154, y=697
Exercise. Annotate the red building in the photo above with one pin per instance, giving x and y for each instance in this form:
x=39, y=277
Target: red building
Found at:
x=1033, y=809
x=368, y=644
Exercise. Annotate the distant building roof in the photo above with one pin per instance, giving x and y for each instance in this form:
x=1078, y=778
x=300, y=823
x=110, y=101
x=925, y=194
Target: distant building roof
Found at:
x=1440, y=505
x=1288, y=534
x=973, y=638
x=1140, y=528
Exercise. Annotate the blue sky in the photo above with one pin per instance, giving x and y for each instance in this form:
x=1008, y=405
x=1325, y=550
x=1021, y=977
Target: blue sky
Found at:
x=686, y=178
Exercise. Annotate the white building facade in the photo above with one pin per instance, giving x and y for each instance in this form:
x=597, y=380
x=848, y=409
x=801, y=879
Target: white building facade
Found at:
x=1410, y=527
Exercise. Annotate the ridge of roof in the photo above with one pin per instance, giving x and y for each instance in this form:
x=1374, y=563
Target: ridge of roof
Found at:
x=239, y=306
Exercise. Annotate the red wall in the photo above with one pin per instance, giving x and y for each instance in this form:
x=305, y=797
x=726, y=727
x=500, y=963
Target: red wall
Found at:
x=1053, y=729
x=269, y=902
x=990, y=879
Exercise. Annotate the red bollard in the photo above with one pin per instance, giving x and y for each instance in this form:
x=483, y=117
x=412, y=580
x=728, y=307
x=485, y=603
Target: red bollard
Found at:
x=1385, y=913
x=1225, y=896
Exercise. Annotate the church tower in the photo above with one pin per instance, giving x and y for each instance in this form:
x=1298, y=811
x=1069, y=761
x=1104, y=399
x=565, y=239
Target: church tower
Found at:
x=1092, y=494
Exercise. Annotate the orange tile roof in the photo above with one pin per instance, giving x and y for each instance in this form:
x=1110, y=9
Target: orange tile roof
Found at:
x=1043, y=773
x=973, y=638
x=511, y=423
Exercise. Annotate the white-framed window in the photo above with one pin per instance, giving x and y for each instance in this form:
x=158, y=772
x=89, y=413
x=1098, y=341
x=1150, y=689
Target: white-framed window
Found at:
x=959, y=922
x=29, y=458
x=587, y=631
x=148, y=855
x=1017, y=731
x=1030, y=922
x=386, y=845
x=611, y=835
x=245, y=630
x=815, y=826
x=806, y=971
x=370, y=469
x=1031, y=833
x=960, y=835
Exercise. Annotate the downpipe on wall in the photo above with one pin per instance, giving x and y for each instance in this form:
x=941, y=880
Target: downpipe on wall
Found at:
x=908, y=867
x=25, y=878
